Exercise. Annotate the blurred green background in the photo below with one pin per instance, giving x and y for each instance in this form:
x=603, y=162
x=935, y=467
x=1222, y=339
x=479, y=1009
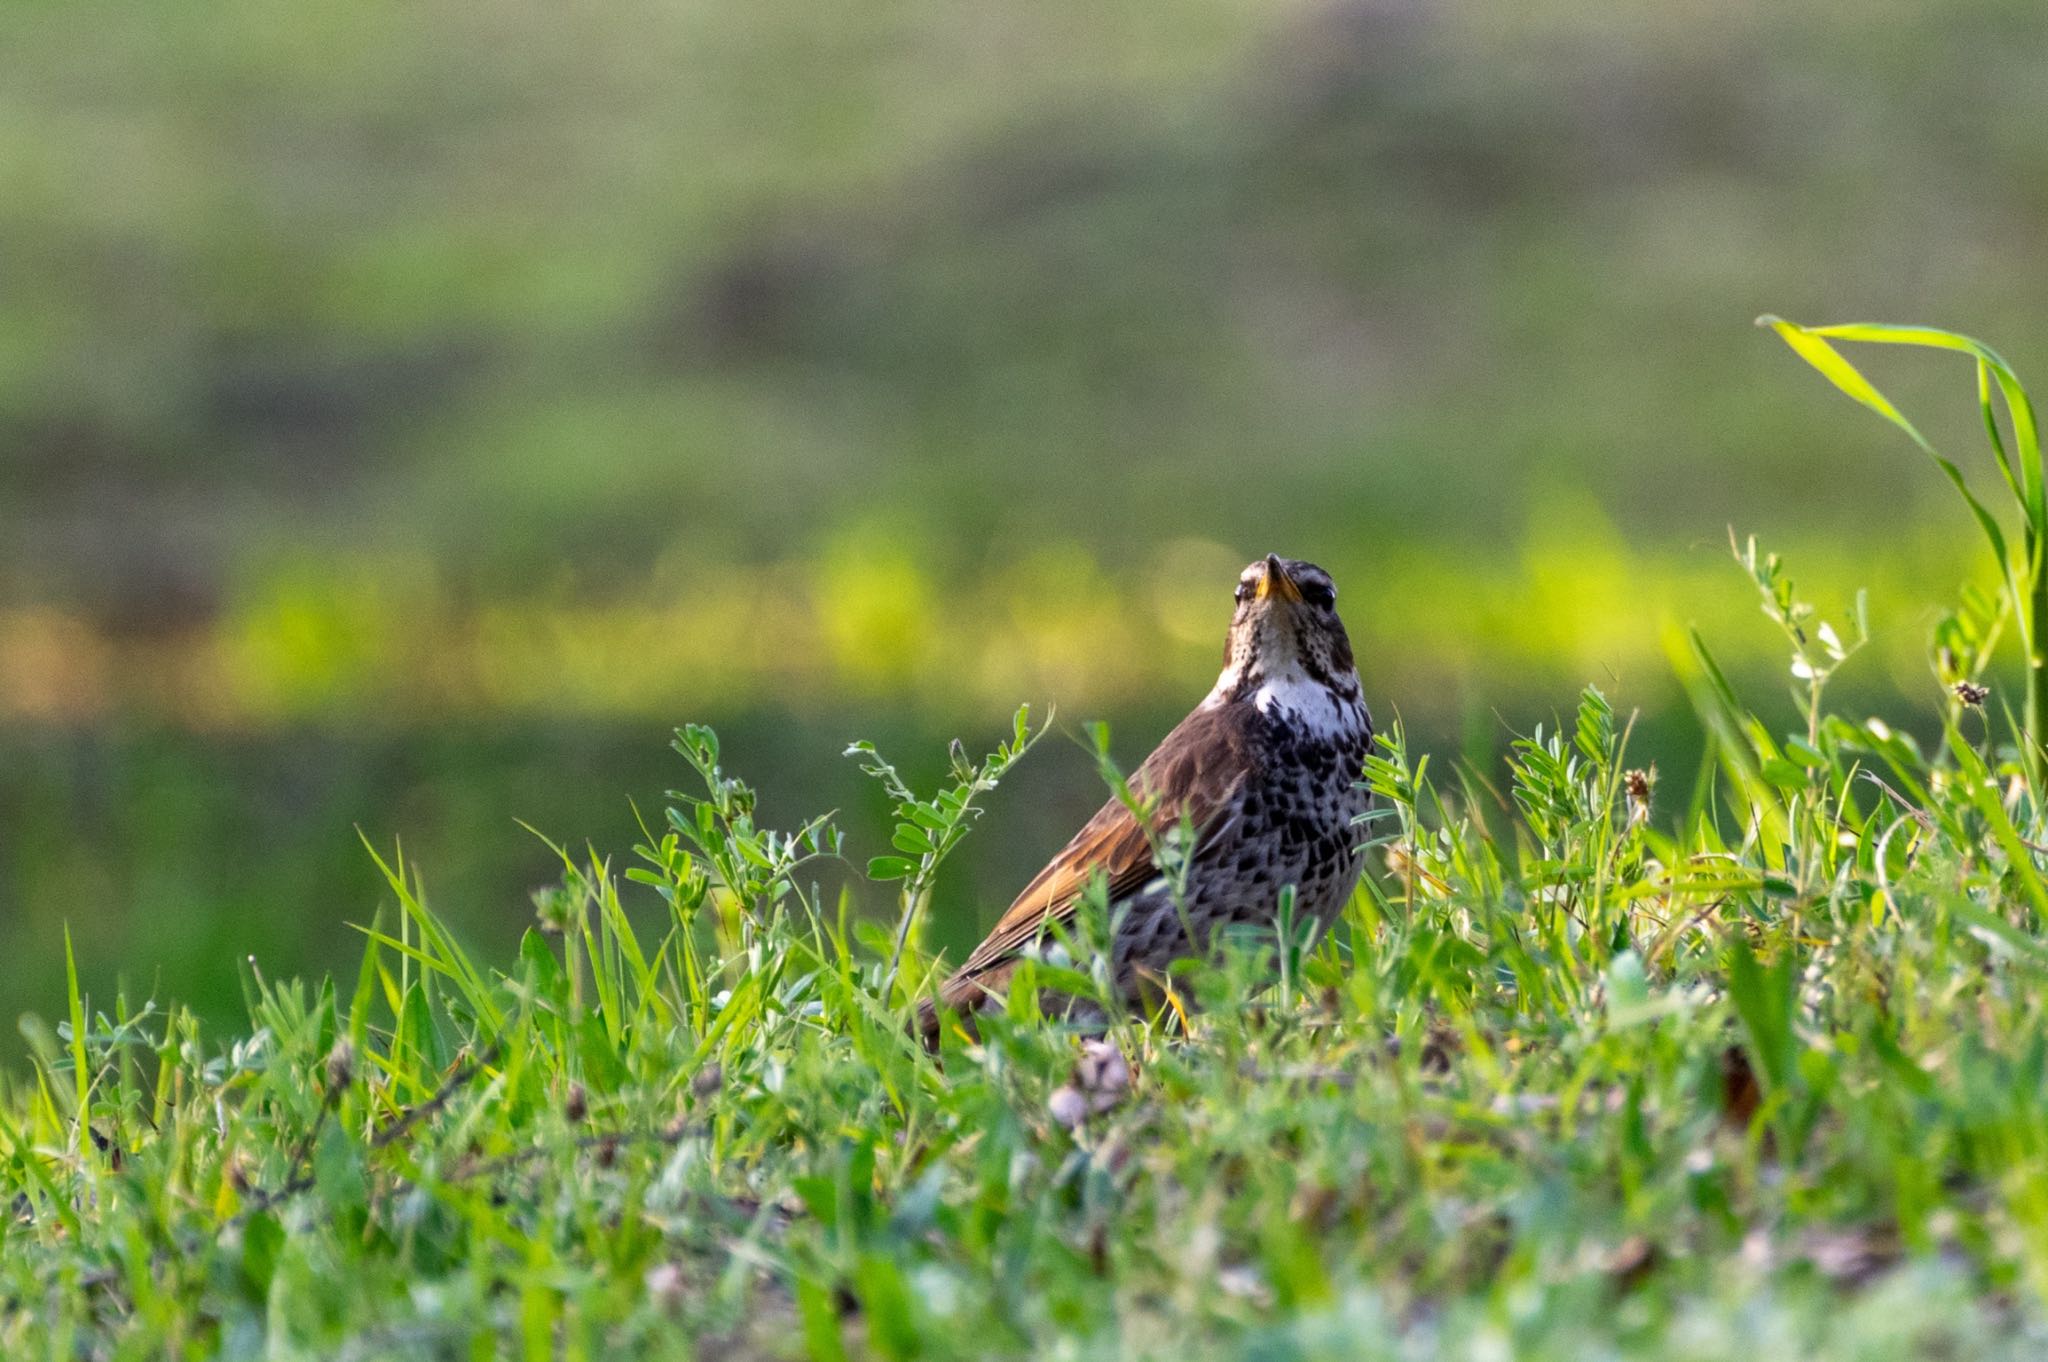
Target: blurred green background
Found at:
x=409, y=413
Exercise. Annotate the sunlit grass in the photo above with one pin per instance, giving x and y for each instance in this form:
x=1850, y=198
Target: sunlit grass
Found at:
x=387, y=642
x=1596, y=1065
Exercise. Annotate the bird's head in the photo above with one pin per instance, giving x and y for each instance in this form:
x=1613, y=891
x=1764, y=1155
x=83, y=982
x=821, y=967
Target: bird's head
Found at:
x=1286, y=631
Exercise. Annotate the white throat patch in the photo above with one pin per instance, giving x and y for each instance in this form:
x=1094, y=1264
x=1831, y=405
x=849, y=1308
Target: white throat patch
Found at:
x=1306, y=701
x=1309, y=702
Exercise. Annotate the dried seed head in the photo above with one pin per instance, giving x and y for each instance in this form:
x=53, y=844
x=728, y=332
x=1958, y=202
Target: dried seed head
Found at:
x=555, y=906
x=1102, y=1076
x=708, y=1080
x=341, y=1065
x=1972, y=694
x=1102, y=1073
x=1854, y=1256
x=665, y=1285
x=1637, y=784
x=576, y=1105
x=1632, y=1260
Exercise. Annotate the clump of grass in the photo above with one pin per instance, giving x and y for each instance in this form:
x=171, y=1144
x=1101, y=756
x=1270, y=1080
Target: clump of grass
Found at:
x=2024, y=569
x=1590, y=1069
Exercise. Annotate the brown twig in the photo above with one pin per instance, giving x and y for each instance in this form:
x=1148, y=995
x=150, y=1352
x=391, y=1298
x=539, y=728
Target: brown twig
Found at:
x=462, y=1073
x=608, y=1141
x=302, y=1181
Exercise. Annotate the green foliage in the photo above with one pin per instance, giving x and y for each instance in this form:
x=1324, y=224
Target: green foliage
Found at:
x=1586, y=1071
x=2024, y=570
x=403, y=415
x=927, y=830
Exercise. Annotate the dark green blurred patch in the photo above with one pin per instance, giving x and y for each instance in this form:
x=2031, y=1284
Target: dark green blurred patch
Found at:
x=175, y=858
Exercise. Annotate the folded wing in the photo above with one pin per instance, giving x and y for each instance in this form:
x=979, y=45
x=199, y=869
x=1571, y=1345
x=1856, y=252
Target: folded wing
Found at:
x=1197, y=772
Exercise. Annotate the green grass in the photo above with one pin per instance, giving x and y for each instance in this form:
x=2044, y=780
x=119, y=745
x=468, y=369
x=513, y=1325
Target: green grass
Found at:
x=1752, y=1065
x=398, y=410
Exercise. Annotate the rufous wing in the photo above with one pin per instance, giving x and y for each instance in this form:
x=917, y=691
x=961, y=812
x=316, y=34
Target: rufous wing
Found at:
x=1196, y=773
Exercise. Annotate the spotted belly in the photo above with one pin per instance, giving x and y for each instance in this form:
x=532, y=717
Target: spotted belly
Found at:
x=1294, y=828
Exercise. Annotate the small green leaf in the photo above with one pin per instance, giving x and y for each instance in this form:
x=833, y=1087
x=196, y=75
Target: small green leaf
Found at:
x=262, y=1239
x=886, y=1302
x=417, y=1036
x=1782, y=773
x=1627, y=986
x=338, y=1172
x=1798, y=750
x=549, y=983
x=1763, y=999
x=820, y=1321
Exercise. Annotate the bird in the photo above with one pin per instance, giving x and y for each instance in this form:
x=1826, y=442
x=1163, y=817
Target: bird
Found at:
x=1266, y=771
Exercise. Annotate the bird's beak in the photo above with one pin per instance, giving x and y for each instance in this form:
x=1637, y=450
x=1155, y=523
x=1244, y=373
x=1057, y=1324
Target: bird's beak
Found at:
x=1275, y=581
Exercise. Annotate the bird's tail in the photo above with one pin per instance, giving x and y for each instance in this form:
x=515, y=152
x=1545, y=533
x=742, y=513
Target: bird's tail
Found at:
x=925, y=1025
x=961, y=997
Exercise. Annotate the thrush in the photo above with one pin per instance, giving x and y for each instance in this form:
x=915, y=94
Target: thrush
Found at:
x=1265, y=772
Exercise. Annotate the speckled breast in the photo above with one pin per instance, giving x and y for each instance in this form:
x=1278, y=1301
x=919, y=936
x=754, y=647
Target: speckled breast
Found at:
x=1291, y=825
x=1300, y=816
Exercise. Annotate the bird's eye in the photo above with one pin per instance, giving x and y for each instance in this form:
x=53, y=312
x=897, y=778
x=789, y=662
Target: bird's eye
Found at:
x=1244, y=592
x=1319, y=593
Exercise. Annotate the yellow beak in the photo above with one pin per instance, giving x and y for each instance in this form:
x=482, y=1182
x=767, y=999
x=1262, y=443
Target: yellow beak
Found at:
x=1275, y=581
